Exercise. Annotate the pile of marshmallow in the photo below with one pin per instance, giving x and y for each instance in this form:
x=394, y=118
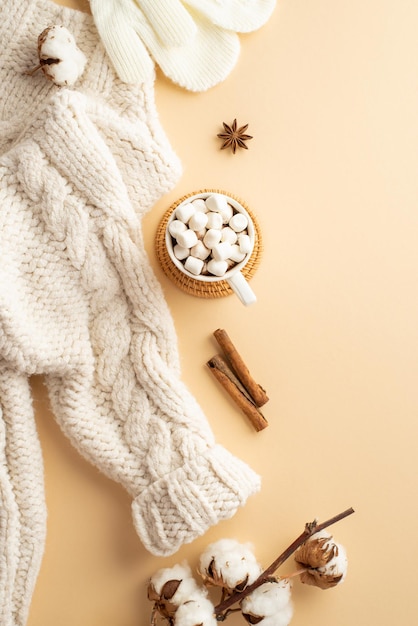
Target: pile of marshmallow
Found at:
x=209, y=236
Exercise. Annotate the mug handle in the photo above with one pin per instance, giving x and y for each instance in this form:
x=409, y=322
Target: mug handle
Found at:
x=241, y=287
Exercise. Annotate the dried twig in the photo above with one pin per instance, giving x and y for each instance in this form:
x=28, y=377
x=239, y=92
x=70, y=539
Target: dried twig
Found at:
x=310, y=529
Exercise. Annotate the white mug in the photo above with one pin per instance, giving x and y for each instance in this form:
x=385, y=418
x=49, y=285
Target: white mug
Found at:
x=233, y=276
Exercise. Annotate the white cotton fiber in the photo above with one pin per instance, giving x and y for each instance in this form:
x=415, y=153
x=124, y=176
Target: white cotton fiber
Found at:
x=280, y=619
x=187, y=588
x=62, y=61
x=232, y=561
x=337, y=566
x=198, y=611
x=271, y=601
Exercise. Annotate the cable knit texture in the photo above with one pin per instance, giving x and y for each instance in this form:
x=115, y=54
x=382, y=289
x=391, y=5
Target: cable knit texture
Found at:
x=80, y=305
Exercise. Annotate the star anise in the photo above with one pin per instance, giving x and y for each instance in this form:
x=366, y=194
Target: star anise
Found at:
x=234, y=137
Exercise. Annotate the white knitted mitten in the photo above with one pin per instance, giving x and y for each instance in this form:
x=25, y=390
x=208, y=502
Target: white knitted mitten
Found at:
x=79, y=304
x=196, y=48
x=242, y=16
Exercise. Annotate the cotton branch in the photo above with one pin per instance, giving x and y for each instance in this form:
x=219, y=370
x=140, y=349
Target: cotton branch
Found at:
x=310, y=529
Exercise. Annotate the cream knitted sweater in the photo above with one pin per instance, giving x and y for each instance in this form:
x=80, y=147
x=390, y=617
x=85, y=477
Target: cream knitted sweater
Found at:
x=80, y=305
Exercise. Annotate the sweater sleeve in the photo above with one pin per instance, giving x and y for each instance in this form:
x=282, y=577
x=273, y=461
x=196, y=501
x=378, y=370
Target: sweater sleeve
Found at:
x=83, y=307
x=22, y=500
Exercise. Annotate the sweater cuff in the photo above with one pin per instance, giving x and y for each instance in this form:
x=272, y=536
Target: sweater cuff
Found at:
x=181, y=506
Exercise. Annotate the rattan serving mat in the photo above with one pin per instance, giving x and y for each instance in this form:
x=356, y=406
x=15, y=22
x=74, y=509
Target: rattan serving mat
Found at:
x=194, y=287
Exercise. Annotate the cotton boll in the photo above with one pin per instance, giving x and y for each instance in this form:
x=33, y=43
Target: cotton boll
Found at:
x=268, y=598
x=173, y=584
x=59, y=56
x=187, y=589
x=229, y=564
x=198, y=611
x=280, y=619
x=64, y=74
x=270, y=604
x=326, y=560
x=337, y=566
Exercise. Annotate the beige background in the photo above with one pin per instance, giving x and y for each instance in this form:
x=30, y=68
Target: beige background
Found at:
x=330, y=91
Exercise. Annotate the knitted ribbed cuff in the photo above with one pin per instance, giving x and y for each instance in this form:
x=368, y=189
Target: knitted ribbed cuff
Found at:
x=181, y=506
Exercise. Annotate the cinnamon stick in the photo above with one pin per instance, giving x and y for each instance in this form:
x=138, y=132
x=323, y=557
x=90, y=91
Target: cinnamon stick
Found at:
x=238, y=393
x=255, y=390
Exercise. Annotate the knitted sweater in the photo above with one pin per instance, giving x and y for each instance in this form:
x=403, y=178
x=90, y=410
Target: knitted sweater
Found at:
x=80, y=305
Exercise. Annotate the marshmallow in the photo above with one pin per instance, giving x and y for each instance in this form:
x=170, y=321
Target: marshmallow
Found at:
x=218, y=203
x=227, y=234
x=227, y=213
x=185, y=211
x=217, y=268
x=236, y=254
x=193, y=265
x=180, y=252
x=198, y=221
x=214, y=220
x=188, y=239
x=200, y=205
x=175, y=227
x=238, y=222
x=222, y=251
x=201, y=233
x=212, y=237
x=244, y=242
x=200, y=251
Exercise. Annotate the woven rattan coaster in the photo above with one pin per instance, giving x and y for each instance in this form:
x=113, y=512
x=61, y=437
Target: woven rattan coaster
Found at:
x=199, y=288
